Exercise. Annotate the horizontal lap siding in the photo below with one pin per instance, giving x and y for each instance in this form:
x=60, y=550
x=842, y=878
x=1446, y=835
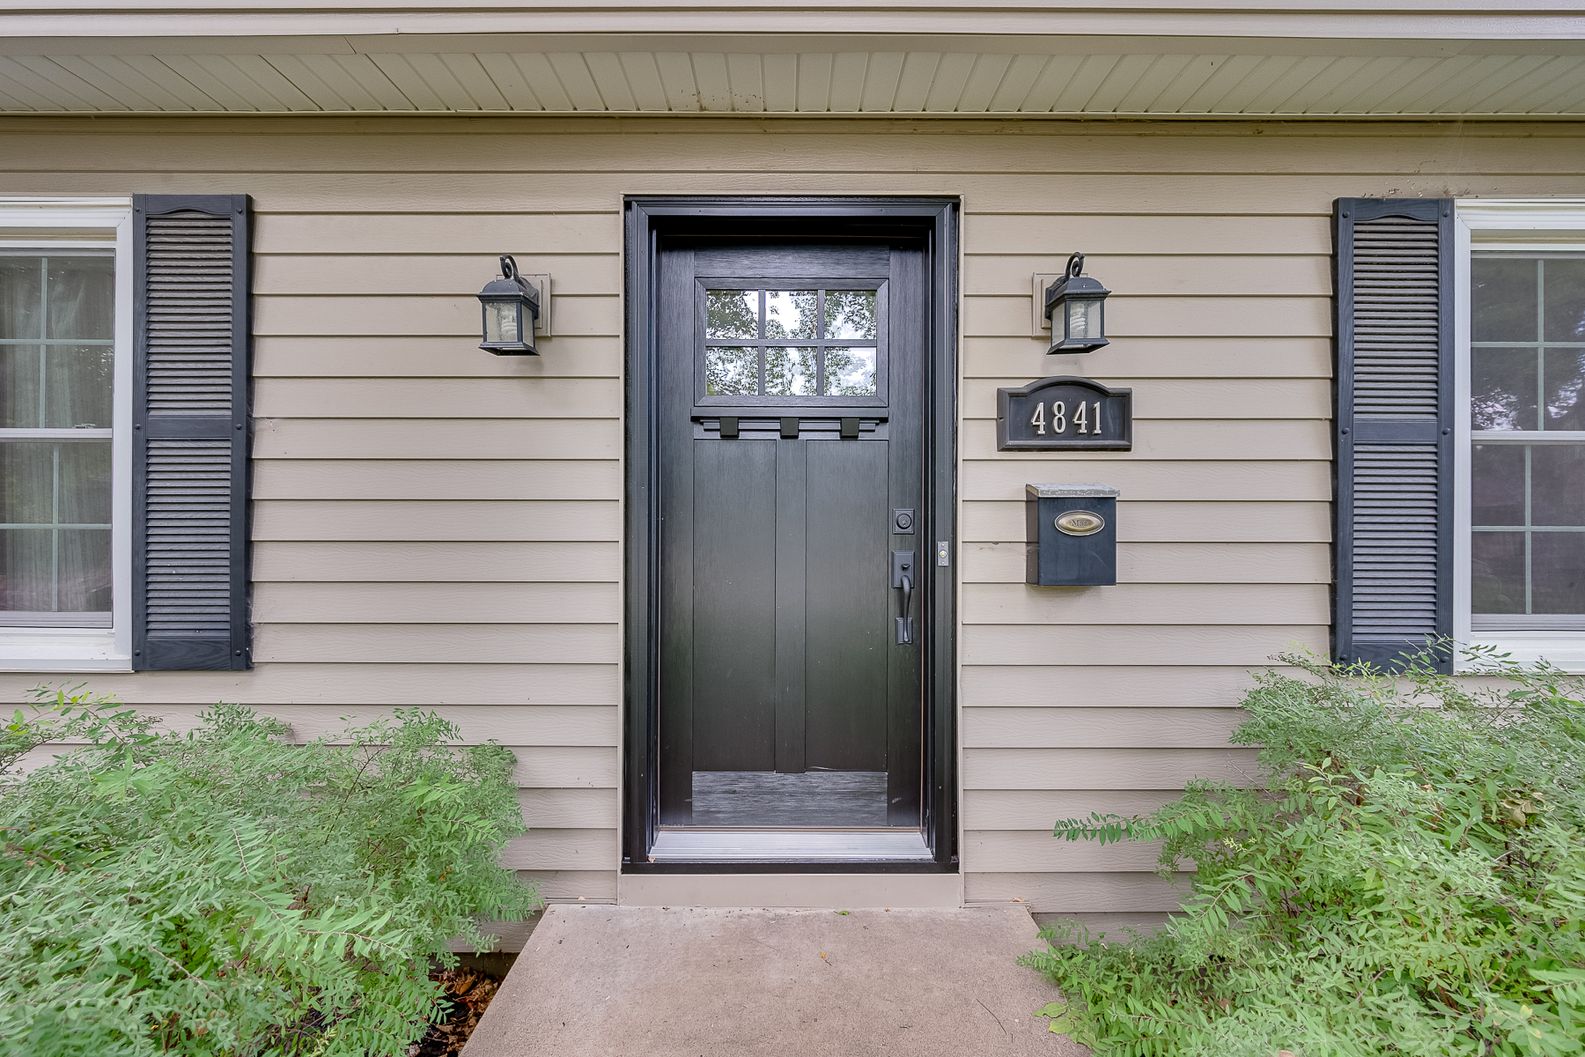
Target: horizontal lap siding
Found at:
x=438, y=527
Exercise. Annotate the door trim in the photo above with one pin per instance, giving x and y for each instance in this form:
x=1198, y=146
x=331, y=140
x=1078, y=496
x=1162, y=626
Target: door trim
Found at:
x=646, y=219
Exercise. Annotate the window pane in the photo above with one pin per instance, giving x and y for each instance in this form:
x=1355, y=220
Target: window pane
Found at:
x=1565, y=389
x=731, y=371
x=84, y=571
x=1503, y=299
x=731, y=313
x=1558, y=573
x=27, y=583
x=45, y=569
x=850, y=314
x=1565, y=298
x=21, y=297
x=850, y=372
x=82, y=297
x=85, y=482
x=1497, y=485
x=20, y=369
x=27, y=486
x=78, y=383
x=1502, y=389
x=790, y=314
x=1497, y=572
x=1557, y=484
x=789, y=371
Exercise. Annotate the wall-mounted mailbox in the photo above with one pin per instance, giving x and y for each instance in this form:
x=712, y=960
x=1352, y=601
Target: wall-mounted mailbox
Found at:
x=1071, y=535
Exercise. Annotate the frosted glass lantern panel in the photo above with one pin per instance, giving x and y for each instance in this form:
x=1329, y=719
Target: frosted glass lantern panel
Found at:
x=1084, y=320
x=500, y=322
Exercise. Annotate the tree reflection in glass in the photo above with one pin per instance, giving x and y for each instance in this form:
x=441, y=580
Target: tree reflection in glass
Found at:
x=731, y=313
x=850, y=372
x=732, y=371
x=850, y=314
x=1502, y=388
x=1565, y=389
x=790, y=314
x=789, y=371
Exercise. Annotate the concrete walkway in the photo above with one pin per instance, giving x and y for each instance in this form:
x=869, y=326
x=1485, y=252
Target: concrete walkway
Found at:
x=651, y=982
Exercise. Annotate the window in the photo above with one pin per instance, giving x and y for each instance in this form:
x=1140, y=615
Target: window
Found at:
x=1520, y=392
x=823, y=345
x=65, y=399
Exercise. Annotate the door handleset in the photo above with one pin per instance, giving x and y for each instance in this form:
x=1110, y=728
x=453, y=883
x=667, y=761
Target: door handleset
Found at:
x=903, y=580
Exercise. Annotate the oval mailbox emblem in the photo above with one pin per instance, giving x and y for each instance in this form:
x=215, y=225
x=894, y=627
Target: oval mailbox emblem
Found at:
x=1080, y=523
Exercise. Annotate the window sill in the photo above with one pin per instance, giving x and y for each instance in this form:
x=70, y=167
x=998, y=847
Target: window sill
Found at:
x=63, y=650
x=1565, y=650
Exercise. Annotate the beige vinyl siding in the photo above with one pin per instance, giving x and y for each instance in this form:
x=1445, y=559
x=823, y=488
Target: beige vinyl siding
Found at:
x=438, y=527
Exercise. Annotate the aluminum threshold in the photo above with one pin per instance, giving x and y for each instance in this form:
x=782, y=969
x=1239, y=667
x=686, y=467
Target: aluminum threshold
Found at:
x=789, y=845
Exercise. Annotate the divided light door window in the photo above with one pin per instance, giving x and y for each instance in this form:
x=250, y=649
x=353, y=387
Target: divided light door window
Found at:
x=57, y=382
x=763, y=345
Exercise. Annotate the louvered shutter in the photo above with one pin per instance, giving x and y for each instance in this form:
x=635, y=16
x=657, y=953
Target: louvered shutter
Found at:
x=1394, y=524
x=190, y=433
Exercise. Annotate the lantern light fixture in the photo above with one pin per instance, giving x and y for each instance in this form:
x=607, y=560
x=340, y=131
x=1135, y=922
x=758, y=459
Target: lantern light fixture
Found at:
x=511, y=307
x=1078, y=301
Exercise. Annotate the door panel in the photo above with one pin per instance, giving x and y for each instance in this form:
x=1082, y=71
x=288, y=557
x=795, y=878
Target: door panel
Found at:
x=847, y=596
x=788, y=429
x=734, y=605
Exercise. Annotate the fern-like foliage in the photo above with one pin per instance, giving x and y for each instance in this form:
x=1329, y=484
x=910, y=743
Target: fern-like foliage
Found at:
x=224, y=893
x=1408, y=881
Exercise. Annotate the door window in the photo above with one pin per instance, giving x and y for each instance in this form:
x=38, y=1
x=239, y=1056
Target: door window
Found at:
x=781, y=344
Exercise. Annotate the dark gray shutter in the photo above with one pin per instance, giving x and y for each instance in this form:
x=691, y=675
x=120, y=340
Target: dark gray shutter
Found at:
x=190, y=433
x=1394, y=525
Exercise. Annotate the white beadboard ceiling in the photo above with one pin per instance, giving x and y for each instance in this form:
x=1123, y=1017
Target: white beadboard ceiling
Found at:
x=1303, y=58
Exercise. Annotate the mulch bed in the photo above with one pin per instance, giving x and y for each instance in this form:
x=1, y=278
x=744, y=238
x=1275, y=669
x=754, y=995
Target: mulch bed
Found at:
x=469, y=989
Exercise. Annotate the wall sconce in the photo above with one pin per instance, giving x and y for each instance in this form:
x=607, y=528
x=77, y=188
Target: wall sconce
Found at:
x=511, y=308
x=1080, y=300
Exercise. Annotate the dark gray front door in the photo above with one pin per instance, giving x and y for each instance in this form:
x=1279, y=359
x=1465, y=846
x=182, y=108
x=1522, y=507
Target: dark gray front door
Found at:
x=790, y=441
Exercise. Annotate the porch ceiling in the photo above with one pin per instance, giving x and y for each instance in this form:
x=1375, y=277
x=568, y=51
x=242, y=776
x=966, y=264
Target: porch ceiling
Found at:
x=1343, y=58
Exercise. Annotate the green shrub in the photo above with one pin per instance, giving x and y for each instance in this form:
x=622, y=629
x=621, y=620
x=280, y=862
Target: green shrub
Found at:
x=1409, y=880
x=223, y=892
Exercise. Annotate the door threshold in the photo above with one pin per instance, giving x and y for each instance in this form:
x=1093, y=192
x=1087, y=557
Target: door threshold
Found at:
x=789, y=845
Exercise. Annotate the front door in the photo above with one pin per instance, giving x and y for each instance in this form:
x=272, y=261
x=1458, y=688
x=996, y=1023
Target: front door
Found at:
x=793, y=594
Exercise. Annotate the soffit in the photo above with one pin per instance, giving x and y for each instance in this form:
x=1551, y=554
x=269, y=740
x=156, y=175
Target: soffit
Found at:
x=1345, y=58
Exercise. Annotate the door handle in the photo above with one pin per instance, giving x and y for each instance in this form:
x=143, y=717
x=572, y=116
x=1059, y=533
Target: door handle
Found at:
x=903, y=580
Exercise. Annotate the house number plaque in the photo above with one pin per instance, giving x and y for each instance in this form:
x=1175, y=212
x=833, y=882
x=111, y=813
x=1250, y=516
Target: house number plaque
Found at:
x=1064, y=413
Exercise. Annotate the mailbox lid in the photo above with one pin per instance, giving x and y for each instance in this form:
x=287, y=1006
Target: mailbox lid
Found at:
x=1053, y=491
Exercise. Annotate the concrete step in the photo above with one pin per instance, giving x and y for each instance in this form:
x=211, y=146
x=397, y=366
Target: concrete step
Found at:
x=600, y=981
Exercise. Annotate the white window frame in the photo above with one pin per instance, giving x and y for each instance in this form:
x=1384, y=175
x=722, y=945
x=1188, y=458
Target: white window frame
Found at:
x=1516, y=224
x=77, y=223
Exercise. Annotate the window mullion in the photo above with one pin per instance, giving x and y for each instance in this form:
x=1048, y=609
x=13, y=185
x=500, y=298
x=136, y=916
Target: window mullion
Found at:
x=1540, y=357
x=43, y=332
x=55, y=528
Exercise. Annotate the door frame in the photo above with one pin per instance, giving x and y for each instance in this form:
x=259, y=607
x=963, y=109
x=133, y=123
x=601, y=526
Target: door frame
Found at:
x=645, y=220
